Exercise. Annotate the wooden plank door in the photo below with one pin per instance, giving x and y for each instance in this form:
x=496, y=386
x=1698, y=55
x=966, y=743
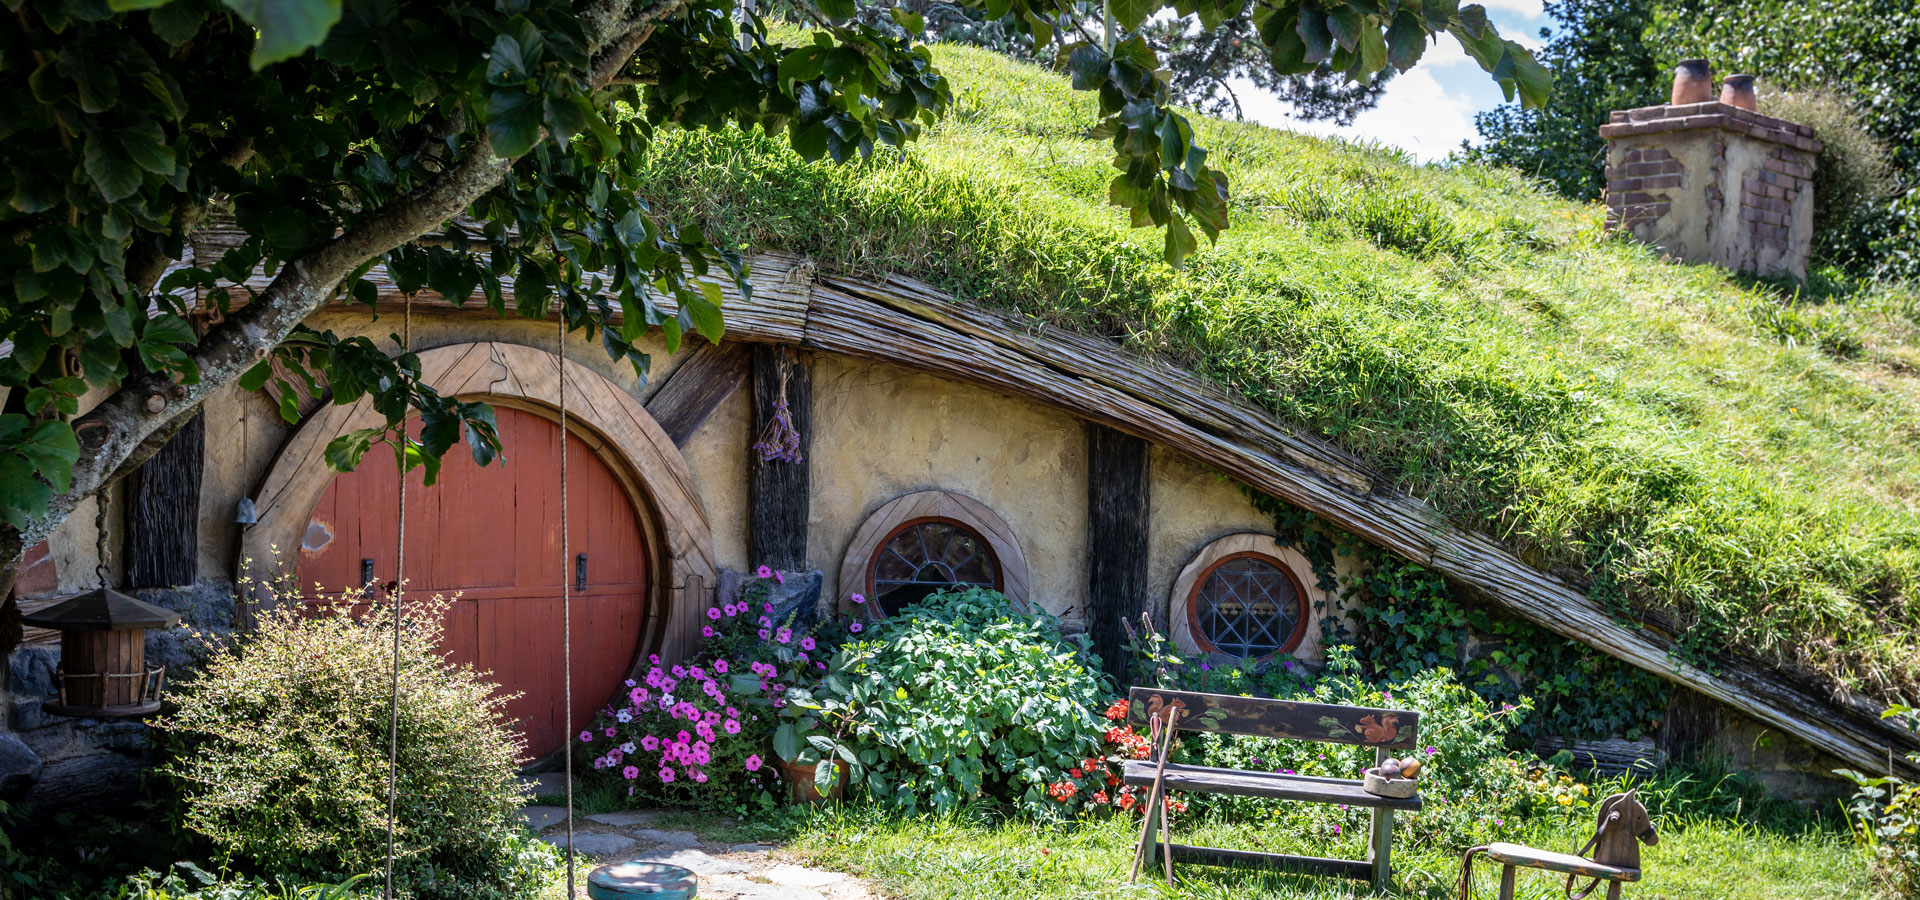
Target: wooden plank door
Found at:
x=493, y=536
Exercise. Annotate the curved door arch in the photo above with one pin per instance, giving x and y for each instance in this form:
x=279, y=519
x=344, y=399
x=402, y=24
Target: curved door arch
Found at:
x=488, y=540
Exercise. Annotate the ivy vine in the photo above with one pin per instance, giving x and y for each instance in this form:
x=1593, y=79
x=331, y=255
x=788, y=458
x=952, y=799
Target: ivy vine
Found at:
x=1409, y=620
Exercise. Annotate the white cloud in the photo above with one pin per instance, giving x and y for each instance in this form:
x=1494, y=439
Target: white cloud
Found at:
x=1416, y=112
x=1530, y=9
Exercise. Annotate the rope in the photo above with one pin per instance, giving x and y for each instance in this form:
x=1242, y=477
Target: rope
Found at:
x=566, y=600
x=399, y=571
x=101, y=567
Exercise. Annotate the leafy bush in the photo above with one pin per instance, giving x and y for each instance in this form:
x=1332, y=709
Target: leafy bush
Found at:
x=1853, y=180
x=279, y=752
x=1886, y=819
x=962, y=696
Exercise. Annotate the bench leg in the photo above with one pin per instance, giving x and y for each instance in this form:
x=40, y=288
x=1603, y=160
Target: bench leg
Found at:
x=1150, y=837
x=1506, y=883
x=1380, y=849
x=1613, y=890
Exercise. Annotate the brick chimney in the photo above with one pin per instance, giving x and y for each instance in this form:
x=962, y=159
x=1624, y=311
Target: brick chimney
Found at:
x=1714, y=183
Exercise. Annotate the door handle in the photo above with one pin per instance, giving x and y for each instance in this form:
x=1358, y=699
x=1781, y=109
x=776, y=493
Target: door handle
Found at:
x=580, y=572
x=366, y=572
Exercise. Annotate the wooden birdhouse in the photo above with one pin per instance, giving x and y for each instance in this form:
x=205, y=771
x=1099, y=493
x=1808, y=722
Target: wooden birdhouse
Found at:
x=103, y=654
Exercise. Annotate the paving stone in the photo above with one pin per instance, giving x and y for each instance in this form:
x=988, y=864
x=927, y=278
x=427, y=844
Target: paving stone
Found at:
x=593, y=843
x=684, y=840
x=627, y=818
x=543, y=817
x=801, y=876
x=700, y=863
x=750, y=848
x=742, y=889
x=547, y=783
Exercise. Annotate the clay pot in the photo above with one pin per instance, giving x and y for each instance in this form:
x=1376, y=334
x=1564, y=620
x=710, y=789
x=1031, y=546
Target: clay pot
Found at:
x=800, y=786
x=1737, y=91
x=1692, y=82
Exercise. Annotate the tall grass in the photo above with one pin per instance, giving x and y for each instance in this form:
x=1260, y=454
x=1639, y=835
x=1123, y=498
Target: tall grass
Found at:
x=1735, y=460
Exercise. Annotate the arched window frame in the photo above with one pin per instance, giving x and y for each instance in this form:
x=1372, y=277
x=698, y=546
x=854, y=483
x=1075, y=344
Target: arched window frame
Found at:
x=1304, y=643
x=856, y=567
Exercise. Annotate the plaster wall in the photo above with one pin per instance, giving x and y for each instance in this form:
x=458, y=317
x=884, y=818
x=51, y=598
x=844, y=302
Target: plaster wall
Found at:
x=1193, y=506
x=880, y=431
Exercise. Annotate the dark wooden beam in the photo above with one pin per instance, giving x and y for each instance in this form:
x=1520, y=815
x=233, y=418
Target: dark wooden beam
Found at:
x=778, y=490
x=709, y=375
x=1118, y=475
x=161, y=544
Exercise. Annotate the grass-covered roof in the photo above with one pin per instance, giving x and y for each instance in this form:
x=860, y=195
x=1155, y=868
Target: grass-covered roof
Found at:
x=1737, y=464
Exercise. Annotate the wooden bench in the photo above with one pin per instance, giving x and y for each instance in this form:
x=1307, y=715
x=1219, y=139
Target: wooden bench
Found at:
x=1381, y=729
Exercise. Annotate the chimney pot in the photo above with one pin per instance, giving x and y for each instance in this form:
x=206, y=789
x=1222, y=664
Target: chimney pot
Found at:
x=1692, y=82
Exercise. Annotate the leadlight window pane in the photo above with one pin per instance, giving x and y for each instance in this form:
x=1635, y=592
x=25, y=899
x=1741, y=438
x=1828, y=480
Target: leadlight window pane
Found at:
x=1247, y=607
x=927, y=557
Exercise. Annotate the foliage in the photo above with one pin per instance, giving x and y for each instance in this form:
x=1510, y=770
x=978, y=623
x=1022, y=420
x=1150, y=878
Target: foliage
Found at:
x=279, y=751
x=1601, y=62
x=962, y=696
x=1610, y=416
x=666, y=743
x=1411, y=622
x=1853, y=179
x=1886, y=817
x=186, y=881
x=1201, y=60
x=1861, y=50
x=341, y=135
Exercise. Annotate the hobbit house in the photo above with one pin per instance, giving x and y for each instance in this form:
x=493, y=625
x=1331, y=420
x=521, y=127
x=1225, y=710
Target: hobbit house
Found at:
x=935, y=441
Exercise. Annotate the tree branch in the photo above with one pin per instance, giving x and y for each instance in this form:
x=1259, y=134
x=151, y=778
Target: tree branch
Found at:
x=130, y=424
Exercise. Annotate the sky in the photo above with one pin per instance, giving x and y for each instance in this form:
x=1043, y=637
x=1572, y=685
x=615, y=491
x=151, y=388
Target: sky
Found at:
x=1427, y=110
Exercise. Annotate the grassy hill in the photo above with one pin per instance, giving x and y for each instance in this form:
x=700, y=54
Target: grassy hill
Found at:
x=1737, y=459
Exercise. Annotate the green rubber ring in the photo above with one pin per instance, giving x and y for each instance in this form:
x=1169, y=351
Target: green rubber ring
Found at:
x=656, y=881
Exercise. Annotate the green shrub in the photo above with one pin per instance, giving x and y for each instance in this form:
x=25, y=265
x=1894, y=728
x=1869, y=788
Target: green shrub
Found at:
x=279, y=752
x=1885, y=812
x=1853, y=180
x=962, y=696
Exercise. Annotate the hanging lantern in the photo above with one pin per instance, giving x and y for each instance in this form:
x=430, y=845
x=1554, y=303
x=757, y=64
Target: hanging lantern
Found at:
x=103, y=654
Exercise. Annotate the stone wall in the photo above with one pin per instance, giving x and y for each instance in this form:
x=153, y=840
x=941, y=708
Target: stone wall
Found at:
x=1710, y=183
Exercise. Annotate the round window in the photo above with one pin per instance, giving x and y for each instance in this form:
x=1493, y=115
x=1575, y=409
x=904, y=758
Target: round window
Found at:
x=925, y=556
x=1247, y=605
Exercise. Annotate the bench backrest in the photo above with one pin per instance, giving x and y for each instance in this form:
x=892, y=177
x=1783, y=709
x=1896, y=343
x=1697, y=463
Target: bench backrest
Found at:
x=1325, y=723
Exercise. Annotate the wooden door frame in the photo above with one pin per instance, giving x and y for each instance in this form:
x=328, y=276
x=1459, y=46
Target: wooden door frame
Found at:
x=681, y=568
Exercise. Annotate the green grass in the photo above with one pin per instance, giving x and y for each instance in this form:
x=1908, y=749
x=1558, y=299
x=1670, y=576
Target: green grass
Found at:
x=951, y=859
x=1738, y=464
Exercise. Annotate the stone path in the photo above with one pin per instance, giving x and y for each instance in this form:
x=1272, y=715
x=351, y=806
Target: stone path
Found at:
x=726, y=871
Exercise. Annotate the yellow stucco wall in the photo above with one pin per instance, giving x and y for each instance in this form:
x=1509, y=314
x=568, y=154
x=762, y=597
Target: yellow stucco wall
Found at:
x=880, y=431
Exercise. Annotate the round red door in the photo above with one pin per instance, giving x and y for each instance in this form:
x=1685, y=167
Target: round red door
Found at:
x=493, y=536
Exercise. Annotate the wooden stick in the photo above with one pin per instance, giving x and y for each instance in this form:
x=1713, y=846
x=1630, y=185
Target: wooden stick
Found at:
x=1166, y=821
x=1155, y=797
x=1146, y=817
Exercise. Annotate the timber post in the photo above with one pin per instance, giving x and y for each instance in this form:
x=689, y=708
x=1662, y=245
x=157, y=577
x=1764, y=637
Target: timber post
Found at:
x=1118, y=539
x=779, y=490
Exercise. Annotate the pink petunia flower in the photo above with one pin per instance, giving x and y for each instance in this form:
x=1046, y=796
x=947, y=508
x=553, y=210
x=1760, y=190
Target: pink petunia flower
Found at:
x=766, y=622
x=821, y=666
x=856, y=628
x=859, y=598
x=631, y=772
x=699, y=776
x=720, y=665
x=650, y=743
x=586, y=736
x=682, y=737
x=610, y=731
x=753, y=763
x=767, y=606
x=779, y=578
x=806, y=643
x=732, y=726
x=713, y=613
x=666, y=775
x=764, y=572
x=706, y=631
x=763, y=634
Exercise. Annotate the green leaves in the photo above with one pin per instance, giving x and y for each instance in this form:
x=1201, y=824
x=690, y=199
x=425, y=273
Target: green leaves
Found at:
x=287, y=28
x=35, y=461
